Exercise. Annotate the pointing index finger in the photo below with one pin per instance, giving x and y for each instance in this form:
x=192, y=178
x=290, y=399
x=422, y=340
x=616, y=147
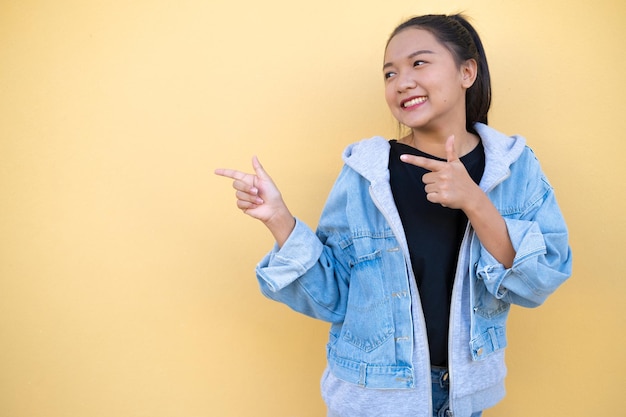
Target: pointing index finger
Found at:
x=230, y=173
x=420, y=161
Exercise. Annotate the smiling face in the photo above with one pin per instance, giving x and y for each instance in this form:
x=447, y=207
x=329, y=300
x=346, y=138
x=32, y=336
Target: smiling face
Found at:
x=424, y=86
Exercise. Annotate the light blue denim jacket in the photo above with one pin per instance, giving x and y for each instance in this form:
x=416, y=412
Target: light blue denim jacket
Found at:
x=355, y=273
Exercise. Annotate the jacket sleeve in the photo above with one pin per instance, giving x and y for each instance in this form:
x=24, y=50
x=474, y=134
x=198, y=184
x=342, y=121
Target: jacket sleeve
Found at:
x=539, y=235
x=310, y=272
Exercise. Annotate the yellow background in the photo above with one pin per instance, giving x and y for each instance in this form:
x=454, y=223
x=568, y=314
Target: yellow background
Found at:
x=126, y=272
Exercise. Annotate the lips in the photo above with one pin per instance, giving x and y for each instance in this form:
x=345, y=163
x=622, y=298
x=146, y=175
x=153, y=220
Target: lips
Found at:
x=413, y=101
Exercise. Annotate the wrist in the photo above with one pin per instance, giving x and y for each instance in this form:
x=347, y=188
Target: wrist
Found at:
x=475, y=203
x=281, y=224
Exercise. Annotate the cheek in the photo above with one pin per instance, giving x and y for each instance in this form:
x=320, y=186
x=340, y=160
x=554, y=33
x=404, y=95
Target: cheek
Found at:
x=389, y=106
x=390, y=96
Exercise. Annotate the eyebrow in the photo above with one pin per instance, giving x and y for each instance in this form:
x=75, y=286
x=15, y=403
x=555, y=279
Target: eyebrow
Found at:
x=412, y=55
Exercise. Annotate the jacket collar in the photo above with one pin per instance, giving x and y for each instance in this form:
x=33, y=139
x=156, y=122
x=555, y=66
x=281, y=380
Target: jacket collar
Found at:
x=370, y=157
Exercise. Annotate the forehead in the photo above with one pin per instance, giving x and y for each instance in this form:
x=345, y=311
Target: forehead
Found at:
x=411, y=40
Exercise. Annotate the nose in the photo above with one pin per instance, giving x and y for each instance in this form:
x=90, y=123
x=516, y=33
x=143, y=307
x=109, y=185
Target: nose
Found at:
x=406, y=81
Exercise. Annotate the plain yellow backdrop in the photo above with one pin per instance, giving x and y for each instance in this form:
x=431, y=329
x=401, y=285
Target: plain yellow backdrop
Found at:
x=127, y=281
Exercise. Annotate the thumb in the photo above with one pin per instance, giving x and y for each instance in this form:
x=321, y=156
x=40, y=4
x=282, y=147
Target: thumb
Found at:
x=451, y=154
x=258, y=168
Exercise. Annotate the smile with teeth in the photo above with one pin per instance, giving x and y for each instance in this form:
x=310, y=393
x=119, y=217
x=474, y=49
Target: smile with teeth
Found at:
x=413, y=102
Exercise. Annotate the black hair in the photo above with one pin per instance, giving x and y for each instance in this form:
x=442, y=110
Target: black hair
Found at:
x=462, y=40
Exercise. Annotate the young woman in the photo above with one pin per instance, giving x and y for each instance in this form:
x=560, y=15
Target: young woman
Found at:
x=424, y=242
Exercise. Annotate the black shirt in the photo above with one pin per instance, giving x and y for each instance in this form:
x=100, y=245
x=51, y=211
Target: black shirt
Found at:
x=434, y=235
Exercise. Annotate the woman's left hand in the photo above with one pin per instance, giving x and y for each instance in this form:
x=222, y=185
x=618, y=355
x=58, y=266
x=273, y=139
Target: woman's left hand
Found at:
x=448, y=183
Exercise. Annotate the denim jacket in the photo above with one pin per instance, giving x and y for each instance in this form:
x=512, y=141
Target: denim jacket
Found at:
x=355, y=273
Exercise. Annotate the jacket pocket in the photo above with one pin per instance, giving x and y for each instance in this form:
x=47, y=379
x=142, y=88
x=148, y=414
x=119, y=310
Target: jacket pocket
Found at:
x=486, y=343
x=488, y=323
x=368, y=322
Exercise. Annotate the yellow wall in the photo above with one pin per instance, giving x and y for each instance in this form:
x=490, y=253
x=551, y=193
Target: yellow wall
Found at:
x=126, y=273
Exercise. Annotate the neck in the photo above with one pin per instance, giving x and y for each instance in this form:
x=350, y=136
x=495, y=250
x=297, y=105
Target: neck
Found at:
x=434, y=143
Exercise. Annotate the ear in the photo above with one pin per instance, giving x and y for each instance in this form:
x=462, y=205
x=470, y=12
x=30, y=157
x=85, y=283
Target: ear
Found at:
x=469, y=71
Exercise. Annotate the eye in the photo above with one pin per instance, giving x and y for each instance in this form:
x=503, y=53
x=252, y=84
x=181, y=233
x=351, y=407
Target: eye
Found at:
x=419, y=63
x=389, y=74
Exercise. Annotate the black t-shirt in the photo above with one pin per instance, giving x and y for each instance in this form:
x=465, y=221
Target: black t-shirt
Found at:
x=434, y=235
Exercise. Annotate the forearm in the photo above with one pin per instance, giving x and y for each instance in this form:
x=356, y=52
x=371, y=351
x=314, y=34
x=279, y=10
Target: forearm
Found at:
x=322, y=285
x=490, y=228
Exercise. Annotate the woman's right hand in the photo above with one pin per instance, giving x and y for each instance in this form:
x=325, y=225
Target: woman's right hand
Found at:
x=258, y=197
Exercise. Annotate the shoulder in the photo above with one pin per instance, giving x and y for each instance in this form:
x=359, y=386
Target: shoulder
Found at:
x=529, y=166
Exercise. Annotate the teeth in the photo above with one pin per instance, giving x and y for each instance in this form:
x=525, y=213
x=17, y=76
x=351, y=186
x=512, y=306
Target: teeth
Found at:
x=413, y=102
